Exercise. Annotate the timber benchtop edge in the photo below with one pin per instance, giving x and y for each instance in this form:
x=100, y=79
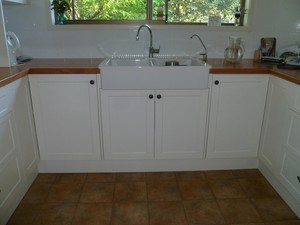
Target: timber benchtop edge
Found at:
x=90, y=66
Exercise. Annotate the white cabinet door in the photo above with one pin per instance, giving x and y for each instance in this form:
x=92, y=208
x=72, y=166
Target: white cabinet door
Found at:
x=10, y=171
x=143, y=124
x=11, y=180
x=278, y=99
x=290, y=153
x=236, y=114
x=279, y=153
x=66, y=115
x=27, y=143
x=128, y=124
x=180, y=123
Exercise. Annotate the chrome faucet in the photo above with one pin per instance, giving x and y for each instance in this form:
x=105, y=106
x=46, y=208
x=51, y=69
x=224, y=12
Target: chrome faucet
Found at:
x=204, y=55
x=151, y=49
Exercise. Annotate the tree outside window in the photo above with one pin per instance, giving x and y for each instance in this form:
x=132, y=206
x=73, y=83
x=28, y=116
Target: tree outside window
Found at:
x=154, y=11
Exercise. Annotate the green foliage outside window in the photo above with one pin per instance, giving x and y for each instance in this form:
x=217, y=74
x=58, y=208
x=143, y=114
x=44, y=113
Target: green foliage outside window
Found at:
x=179, y=11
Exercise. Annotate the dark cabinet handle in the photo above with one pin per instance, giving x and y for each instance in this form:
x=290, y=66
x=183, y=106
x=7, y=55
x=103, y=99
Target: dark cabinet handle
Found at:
x=92, y=82
x=298, y=178
x=158, y=96
x=217, y=82
x=150, y=96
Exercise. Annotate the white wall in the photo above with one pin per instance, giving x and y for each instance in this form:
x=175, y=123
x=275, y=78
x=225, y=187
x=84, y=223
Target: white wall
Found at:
x=3, y=49
x=39, y=39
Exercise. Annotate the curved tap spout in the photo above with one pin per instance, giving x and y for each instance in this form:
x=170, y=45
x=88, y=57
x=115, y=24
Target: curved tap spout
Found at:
x=203, y=54
x=150, y=31
x=151, y=49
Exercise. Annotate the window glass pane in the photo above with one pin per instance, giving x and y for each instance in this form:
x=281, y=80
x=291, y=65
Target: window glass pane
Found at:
x=178, y=11
x=159, y=9
x=110, y=9
x=198, y=11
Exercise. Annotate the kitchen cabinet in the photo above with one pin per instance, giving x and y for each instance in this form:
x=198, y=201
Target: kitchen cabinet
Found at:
x=147, y=124
x=66, y=116
x=280, y=145
x=18, y=146
x=279, y=98
x=236, y=115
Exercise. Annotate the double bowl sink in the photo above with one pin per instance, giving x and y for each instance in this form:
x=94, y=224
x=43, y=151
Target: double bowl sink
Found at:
x=154, y=73
x=145, y=62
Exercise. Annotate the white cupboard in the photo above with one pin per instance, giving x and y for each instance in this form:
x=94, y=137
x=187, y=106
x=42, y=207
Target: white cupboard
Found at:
x=236, y=115
x=18, y=146
x=66, y=116
x=147, y=124
x=280, y=143
x=279, y=98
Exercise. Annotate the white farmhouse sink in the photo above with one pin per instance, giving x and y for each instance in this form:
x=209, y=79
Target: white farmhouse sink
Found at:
x=152, y=73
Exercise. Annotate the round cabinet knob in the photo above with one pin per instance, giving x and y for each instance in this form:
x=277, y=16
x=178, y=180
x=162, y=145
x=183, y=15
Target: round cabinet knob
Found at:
x=92, y=82
x=217, y=82
x=150, y=96
x=158, y=96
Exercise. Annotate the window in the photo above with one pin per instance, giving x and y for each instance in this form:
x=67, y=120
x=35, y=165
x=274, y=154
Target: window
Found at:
x=156, y=11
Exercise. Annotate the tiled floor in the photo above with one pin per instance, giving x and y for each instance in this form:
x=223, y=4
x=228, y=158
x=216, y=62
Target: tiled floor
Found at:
x=167, y=198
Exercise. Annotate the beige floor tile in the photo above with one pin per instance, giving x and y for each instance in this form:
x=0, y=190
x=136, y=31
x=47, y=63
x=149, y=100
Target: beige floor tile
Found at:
x=37, y=193
x=203, y=212
x=55, y=214
x=130, y=213
x=230, y=197
x=160, y=176
x=70, y=178
x=164, y=213
x=97, y=192
x=131, y=192
x=273, y=209
x=238, y=211
x=25, y=214
x=190, y=175
x=46, y=178
x=195, y=190
x=257, y=187
x=64, y=192
x=100, y=177
x=248, y=173
x=130, y=177
x=93, y=214
x=229, y=188
x=286, y=222
x=163, y=191
x=219, y=174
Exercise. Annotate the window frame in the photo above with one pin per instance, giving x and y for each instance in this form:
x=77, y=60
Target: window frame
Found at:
x=244, y=3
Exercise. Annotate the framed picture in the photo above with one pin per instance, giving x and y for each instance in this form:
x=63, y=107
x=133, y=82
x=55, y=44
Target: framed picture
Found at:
x=268, y=46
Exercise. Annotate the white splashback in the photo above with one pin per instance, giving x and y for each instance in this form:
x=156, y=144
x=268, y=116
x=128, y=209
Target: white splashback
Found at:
x=273, y=18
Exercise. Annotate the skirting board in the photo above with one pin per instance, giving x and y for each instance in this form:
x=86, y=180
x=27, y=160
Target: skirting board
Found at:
x=281, y=190
x=86, y=166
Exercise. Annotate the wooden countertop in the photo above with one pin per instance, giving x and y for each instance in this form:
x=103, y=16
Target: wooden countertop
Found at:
x=90, y=66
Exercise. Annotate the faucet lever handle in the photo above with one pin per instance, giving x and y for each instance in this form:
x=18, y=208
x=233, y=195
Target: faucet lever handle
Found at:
x=156, y=50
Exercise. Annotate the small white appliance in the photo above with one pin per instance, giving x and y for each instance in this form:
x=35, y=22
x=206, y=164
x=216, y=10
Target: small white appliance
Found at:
x=13, y=45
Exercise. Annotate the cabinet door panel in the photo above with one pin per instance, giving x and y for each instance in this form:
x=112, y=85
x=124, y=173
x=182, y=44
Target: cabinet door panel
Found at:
x=23, y=115
x=237, y=108
x=180, y=123
x=7, y=142
x=66, y=114
x=290, y=173
x=128, y=124
x=10, y=180
x=279, y=97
